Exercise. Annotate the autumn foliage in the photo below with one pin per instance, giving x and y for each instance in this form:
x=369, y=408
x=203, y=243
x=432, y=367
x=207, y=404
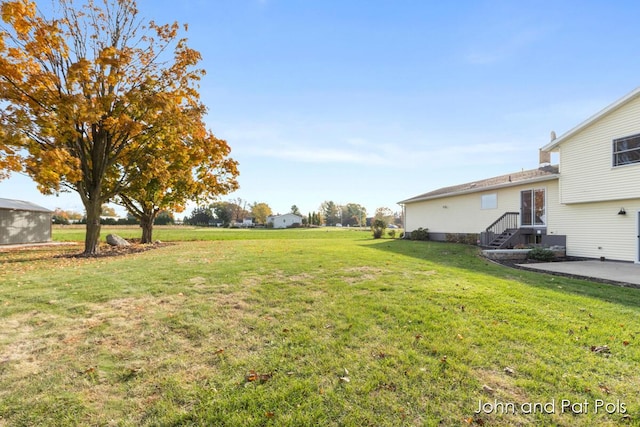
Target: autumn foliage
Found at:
x=96, y=101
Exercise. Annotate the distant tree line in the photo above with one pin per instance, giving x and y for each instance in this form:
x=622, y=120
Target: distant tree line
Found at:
x=234, y=212
x=63, y=217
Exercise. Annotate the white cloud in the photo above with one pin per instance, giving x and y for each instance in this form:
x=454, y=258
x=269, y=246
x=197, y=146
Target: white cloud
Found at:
x=309, y=154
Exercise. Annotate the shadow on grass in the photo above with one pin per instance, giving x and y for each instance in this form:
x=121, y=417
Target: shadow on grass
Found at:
x=31, y=255
x=468, y=258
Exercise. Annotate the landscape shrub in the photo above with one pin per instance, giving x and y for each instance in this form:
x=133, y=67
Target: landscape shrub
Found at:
x=420, y=234
x=392, y=234
x=467, y=239
x=378, y=227
x=471, y=239
x=541, y=254
x=58, y=219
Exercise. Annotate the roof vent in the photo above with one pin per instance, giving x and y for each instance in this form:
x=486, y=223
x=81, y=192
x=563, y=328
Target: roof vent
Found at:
x=553, y=135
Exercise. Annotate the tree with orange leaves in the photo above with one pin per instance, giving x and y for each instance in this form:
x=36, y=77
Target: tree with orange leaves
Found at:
x=88, y=97
x=194, y=166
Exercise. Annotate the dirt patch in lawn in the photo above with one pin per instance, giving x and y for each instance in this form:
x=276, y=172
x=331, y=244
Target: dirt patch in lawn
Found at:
x=111, y=251
x=356, y=275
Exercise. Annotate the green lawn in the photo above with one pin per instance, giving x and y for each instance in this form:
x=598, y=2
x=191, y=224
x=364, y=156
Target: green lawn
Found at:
x=308, y=327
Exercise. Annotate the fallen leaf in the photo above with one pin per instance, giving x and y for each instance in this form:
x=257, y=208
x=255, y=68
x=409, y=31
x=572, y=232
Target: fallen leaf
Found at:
x=385, y=386
x=509, y=371
x=219, y=351
x=265, y=377
x=345, y=379
x=625, y=343
x=600, y=349
x=251, y=376
x=487, y=389
x=604, y=388
x=254, y=376
x=269, y=414
x=460, y=337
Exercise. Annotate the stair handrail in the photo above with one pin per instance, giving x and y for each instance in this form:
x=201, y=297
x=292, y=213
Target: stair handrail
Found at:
x=506, y=221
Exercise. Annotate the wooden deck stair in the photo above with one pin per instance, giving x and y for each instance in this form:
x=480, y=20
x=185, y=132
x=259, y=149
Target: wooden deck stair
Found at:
x=500, y=242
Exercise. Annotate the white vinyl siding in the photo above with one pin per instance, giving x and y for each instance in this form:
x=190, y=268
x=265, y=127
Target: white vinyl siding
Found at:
x=586, y=170
x=596, y=230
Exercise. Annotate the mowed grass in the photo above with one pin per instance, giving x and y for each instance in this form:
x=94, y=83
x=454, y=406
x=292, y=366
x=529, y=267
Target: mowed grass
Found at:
x=308, y=327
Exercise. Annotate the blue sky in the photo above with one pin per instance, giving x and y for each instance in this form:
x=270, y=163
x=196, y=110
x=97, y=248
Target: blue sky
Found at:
x=375, y=101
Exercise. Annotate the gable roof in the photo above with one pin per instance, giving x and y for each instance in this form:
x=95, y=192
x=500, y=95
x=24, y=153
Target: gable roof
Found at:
x=545, y=173
x=21, y=205
x=612, y=107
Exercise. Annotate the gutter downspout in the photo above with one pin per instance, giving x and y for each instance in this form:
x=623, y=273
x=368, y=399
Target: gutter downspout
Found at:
x=404, y=219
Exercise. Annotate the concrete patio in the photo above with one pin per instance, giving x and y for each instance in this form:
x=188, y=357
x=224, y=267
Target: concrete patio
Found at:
x=610, y=271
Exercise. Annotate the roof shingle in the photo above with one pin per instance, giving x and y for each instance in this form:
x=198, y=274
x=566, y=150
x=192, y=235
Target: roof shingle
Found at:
x=517, y=178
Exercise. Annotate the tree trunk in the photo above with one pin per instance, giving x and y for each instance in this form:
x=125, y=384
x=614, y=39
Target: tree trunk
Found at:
x=92, y=237
x=146, y=223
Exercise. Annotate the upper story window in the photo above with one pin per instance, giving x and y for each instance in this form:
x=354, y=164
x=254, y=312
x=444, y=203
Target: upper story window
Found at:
x=626, y=150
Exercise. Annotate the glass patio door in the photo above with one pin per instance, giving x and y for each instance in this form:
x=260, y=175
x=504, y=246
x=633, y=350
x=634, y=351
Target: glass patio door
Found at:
x=532, y=208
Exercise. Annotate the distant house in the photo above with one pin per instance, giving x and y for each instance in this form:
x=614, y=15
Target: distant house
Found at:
x=590, y=203
x=284, y=221
x=24, y=222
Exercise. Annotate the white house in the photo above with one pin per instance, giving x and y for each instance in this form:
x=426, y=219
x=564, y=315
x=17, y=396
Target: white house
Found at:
x=514, y=204
x=284, y=221
x=599, y=192
x=589, y=203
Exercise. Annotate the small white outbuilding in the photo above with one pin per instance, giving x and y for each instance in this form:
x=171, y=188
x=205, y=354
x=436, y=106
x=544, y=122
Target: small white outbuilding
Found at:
x=284, y=221
x=23, y=222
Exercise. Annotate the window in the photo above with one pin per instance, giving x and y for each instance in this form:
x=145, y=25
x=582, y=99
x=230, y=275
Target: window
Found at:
x=626, y=150
x=489, y=201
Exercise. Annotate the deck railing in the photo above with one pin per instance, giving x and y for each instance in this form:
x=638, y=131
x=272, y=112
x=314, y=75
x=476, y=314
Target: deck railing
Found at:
x=509, y=220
